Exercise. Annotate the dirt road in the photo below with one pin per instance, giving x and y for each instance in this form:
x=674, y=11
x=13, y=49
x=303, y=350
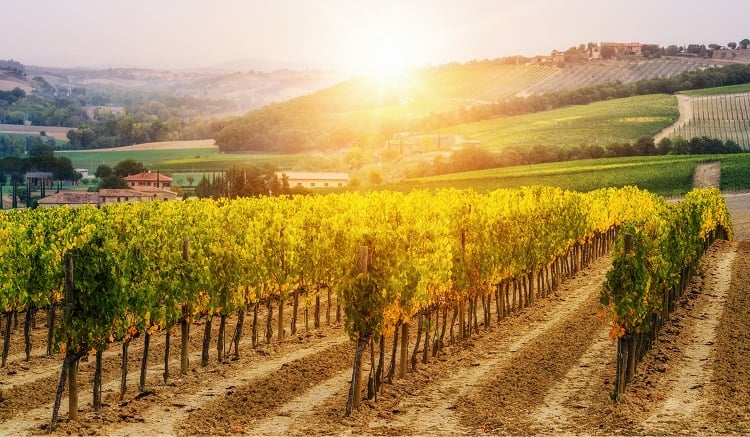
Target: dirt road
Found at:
x=685, y=106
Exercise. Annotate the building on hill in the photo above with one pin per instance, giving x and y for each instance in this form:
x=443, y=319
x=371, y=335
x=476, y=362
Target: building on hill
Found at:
x=624, y=48
x=148, y=179
x=314, y=179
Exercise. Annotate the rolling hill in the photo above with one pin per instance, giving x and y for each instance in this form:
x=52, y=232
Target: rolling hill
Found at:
x=370, y=110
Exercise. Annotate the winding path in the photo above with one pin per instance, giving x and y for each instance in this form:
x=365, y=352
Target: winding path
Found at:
x=685, y=106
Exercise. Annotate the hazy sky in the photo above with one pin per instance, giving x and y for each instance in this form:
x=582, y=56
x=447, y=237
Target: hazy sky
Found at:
x=345, y=33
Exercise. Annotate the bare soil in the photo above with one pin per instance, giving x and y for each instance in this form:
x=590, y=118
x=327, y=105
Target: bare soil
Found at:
x=164, y=145
x=707, y=175
x=547, y=369
x=57, y=132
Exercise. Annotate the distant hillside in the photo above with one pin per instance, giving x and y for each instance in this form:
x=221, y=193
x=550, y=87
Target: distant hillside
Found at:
x=240, y=90
x=13, y=75
x=368, y=111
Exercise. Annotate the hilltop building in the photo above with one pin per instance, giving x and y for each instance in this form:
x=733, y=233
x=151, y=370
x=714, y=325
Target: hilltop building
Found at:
x=623, y=48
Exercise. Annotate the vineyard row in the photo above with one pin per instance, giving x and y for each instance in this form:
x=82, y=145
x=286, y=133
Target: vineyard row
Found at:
x=653, y=262
x=137, y=268
x=723, y=117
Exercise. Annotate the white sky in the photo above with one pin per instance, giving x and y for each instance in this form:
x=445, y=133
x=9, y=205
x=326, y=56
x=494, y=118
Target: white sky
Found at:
x=345, y=33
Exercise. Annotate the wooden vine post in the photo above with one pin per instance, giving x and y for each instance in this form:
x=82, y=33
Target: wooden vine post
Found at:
x=73, y=360
x=70, y=362
x=623, y=343
x=404, y=354
x=185, y=325
x=630, y=370
x=363, y=339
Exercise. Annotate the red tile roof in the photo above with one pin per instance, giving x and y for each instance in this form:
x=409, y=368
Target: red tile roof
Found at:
x=71, y=198
x=123, y=192
x=148, y=177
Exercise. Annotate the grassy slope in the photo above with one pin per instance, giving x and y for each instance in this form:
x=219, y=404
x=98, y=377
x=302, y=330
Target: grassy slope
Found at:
x=665, y=175
x=744, y=88
x=177, y=160
x=599, y=123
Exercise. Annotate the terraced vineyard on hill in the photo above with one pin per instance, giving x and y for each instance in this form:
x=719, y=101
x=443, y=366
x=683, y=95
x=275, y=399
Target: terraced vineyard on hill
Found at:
x=576, y=76
x=724, y=117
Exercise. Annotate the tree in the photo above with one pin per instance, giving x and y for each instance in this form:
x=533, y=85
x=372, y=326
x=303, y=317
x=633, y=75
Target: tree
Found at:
x=608, y=52
x=102, y=171
x=355, y=157
x=744, y=43
x=732, y=45
x=81, y=137
x=113, y=181
x=645, y=146
x=672, y=50
x=63, y=170
x=203, y=189
x=128, y=167
x=390, y=155
x=41, y=149
x=375, y=177
x=471, y=157
x=651, y=51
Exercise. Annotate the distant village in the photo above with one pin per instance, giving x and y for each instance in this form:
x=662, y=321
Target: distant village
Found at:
x=620, y=50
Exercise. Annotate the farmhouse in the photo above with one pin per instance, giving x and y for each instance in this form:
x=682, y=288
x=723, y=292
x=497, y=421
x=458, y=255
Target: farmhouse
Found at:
x=106, y=196
x=148, y=179
x=314, y=179
x=555, y=58
x=624, y=48
x=117, y=195
x=73, y=199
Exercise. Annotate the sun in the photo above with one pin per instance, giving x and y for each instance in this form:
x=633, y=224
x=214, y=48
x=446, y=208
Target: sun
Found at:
x=385, y=53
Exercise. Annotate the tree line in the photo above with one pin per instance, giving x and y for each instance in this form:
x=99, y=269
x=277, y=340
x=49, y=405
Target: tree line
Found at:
x=140, y=122
x=476, y=158
x=245, y=181
x=40, y=158
x=18, y=145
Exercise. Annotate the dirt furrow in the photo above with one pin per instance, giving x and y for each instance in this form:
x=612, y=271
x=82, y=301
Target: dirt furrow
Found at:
x=159, y=418
x=436, y=406
x=565, y=399
x=728, y=406
x=691, y=371
x=301, y=405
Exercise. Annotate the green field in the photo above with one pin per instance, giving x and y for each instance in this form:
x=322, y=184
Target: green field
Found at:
x=665, y=175
x=731, y=89
x=178, y=160
x=58, y=143
x=601, y=123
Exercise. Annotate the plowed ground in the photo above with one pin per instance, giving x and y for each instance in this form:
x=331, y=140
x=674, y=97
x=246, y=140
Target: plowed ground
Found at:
x=547, y=369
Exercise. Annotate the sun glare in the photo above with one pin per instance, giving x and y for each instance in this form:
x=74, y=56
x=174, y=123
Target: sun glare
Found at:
x=385, y=53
